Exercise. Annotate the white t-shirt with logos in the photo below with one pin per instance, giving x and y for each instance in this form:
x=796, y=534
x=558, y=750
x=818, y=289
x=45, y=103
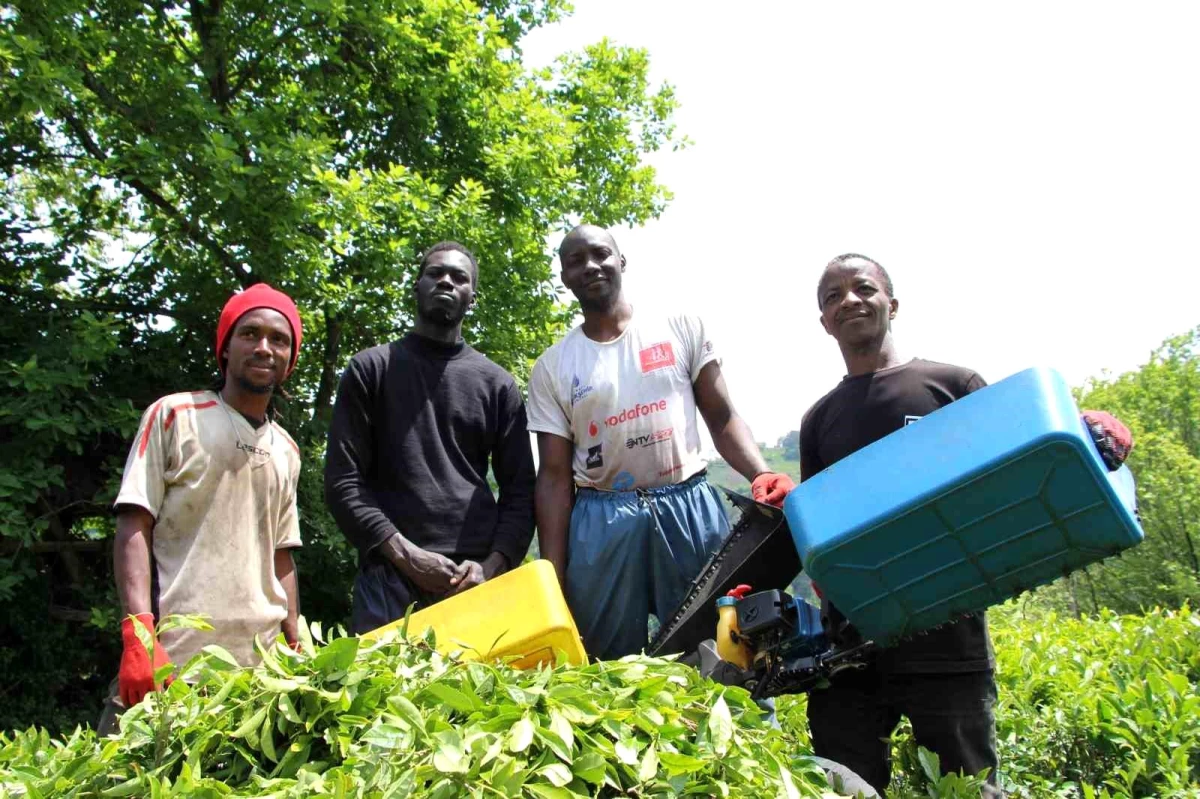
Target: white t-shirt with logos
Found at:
x=627, y=404
x=223, y=497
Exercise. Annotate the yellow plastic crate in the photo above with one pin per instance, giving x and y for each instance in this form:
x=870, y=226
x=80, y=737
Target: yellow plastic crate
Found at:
x=523, y=608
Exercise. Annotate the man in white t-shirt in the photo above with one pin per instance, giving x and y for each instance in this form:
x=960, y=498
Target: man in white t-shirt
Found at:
x=206, y=513
x=623, y=509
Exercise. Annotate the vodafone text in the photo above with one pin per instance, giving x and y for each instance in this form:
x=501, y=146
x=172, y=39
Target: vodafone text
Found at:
x=636, y=412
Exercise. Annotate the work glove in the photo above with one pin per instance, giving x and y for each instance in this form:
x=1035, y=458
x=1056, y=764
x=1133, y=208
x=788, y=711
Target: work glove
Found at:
x=136, y=677
x=770, y=488
x=1111, y=437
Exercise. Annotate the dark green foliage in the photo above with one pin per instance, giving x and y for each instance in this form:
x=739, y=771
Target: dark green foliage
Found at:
x=155, y=157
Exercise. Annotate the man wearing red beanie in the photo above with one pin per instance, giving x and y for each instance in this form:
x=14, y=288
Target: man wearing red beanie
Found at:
x=206, y=514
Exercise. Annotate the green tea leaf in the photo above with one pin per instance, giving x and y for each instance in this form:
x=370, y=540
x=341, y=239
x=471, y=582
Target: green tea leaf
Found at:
x=337, y=656
x=452, y=697
x=388, y=736
x=549, y=792
x=250, y=725
x=448, y=755
x=649, y=765
x=408, y=711
x=558, y=774
x=589, y=767
x=675, y=763
x=521, y=735
x=720, y=726
x=627, y=751
x=562, y=728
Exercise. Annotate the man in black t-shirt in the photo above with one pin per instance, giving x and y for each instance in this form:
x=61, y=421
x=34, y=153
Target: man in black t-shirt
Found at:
x=942, y=681
x=414, y=427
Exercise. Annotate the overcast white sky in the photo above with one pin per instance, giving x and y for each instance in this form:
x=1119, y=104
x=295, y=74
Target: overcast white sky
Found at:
x=1027, y=172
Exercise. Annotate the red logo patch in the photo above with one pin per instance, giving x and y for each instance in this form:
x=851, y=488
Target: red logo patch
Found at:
x=658, y=356
x=593, y=430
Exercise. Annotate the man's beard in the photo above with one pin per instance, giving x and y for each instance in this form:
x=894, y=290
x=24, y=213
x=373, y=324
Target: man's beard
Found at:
x=253, y=388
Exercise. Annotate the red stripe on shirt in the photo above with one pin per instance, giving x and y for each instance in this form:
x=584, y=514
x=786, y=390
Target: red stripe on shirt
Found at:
x=146, y=433
x=197, y=405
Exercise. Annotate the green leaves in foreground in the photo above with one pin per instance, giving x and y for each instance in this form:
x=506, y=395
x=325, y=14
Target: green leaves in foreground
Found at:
x=394, y=719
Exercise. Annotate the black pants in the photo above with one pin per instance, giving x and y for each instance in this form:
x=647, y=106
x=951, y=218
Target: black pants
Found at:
x=951, y=714
x=382, y=595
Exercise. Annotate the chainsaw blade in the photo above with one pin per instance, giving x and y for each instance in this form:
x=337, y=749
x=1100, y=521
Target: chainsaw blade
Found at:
x=758, y=552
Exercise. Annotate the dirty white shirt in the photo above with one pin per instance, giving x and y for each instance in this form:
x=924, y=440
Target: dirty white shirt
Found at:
x=223, y=497
x=627, y=404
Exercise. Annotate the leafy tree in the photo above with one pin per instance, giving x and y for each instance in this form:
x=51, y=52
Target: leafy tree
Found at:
x=790, y=444
x=159, y=155
x=1161, y=404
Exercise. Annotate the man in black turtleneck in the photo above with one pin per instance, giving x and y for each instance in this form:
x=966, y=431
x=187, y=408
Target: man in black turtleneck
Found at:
x=414, y=426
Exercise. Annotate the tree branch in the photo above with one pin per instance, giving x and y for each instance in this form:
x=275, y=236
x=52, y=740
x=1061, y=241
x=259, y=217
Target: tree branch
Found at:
x=214, y=60
x=49, y=547
x=190, y=228
x=165, y=18
x=48, y=298
x=251, y=69
x=112, y=101
x=323, y=402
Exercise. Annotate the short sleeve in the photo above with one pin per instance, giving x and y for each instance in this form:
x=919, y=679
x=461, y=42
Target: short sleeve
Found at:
x=144, y=483
x=810, y=459
x=700, y=346
x=546, y=411
x=287, y=531
x=287, y=535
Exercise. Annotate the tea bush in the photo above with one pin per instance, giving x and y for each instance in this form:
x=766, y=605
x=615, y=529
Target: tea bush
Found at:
x=1107, y=706
x=392, y=719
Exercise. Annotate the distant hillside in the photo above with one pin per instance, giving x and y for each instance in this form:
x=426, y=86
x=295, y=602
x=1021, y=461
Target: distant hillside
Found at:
x=720, y=473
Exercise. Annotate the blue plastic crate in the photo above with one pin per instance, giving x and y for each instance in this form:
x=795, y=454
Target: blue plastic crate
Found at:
x=994, y=494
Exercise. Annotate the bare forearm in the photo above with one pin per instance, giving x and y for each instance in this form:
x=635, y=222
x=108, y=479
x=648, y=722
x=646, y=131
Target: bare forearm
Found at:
x=285, y=569
x=553, y=503
x=398, y=551
x=736, y=444
x=731, y=435
x=131, y=561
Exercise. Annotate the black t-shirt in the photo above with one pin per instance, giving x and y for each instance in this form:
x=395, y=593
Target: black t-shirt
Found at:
x=862, y=410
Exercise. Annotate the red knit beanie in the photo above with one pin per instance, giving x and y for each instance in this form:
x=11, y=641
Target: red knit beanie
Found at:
x=260, y=295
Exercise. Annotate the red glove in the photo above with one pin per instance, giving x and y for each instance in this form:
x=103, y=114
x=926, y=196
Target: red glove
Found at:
x=770, y=488
x=1111, y=437
x=136, y=677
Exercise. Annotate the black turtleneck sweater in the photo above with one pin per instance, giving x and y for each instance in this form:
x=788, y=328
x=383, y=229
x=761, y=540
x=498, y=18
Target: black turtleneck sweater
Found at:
x=414, y=425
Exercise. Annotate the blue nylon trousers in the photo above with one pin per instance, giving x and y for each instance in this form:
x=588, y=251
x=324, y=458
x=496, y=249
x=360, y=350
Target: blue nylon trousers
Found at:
x=633, y=553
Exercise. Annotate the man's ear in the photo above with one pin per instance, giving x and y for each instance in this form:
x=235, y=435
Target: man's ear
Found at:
x=894, y=304
x=622, y=262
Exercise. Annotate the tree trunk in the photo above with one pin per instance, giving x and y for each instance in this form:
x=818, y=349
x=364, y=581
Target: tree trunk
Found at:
x=323, y=404
x=1092, y=590
x=58, y=533
x=1187, y=538
x=1074, y=598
